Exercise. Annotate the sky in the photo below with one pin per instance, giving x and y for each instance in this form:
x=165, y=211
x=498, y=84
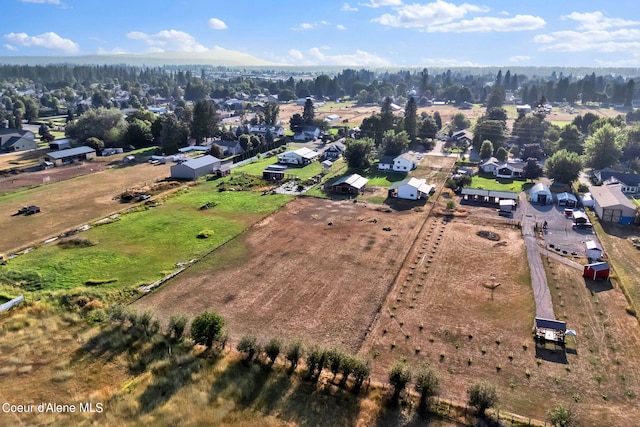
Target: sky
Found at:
x=371, y=33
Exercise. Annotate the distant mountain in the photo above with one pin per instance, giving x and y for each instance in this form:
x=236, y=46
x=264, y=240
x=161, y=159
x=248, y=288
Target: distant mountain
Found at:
x=214, y=57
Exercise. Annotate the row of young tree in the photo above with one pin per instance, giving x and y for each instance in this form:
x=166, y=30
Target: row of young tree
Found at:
x=209, y=329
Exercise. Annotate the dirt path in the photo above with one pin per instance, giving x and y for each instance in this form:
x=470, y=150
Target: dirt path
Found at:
x=562, y=259
x=544, y=306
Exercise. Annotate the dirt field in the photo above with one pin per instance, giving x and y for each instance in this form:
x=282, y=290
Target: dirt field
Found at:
x=9, y=183
x=303, y=278
x=70, y=203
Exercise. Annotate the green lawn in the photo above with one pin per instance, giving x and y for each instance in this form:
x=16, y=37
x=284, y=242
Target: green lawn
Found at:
x=143, y=246
x=496, y=184
x=256, y=168
x=378, y=178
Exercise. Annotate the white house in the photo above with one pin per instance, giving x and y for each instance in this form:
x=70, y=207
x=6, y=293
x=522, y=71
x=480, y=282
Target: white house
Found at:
x=490, y=165
x=195, y=168
x=385, y=163
x=308, y=133
x=540, y=193
x=404, y=163
x=276, y=131
x=301, y=156
x=411, y=189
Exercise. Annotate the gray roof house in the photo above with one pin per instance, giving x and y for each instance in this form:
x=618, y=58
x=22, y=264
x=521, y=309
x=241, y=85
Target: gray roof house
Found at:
x=17, y=140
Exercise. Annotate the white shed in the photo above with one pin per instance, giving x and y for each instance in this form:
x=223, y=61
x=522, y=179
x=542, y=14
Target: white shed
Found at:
x=593, y=250
x=587, y=200
x=541, y=194
x=411, y=189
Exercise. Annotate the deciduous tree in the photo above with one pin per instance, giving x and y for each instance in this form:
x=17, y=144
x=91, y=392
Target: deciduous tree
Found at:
x=564, y=166
x=358, y=152
x=207, y=328
x=482, y=395
x=604, y=147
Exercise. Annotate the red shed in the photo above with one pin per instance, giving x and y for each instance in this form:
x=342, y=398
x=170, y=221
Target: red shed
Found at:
x=597, y=270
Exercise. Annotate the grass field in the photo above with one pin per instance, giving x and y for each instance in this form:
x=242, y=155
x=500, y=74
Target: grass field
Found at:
x=496, y=184
x=142, y=246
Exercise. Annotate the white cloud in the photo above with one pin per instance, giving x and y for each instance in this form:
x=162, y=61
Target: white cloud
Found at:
x=447, y=62
x=309, y=25
x=597, y=21
x=10, y=47
x=519, y=58
x=340, y=27
x=380, y=3
x=622, y=40
x=316, y=56
x=114, y=51
x=621, y=63
x=347, y=8
x=171, y=40
x=47, y=40
x=426, y=15
x=217, y=24
x=42, y=1
x=485, y=24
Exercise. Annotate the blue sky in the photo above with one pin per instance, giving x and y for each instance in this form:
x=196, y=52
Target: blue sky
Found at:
x=356, y=33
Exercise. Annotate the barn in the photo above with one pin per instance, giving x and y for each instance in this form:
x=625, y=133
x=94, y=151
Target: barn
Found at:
x=592, y=249
x=274, y=172
x=71, y=155
x=541, y=194
x=195, y=168
x=597, y=271
x=411, y=189
x=350, y=184
x=611, y=205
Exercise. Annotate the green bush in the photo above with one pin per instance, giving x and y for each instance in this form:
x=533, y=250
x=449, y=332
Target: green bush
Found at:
x=205, y=234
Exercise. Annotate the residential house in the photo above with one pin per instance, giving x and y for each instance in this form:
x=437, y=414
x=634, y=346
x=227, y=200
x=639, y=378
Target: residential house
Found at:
x=17, y=140
x=630, y=182
x=276, y=131
x=333, y=151
x=462, y=138
x=503, y=169
x=404, y=163
x=301, y=156
x=230, y=148
x=386, y=163
x=308, y=133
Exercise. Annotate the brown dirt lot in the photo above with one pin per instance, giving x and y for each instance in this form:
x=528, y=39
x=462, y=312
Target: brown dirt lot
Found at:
x=303, y=278
x=69, y=203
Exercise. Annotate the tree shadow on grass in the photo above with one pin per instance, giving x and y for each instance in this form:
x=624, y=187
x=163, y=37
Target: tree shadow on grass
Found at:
x=170, y=376
x=244, y=383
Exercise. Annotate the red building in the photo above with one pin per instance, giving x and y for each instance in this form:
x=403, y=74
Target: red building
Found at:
x=596, y=271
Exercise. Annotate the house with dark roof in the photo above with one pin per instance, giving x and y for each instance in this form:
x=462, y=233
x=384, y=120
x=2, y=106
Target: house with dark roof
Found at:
x=17, y=140
x=629, y=182
x=333, y=151
x=386, y=163
x=230, y=148
x=308, y=133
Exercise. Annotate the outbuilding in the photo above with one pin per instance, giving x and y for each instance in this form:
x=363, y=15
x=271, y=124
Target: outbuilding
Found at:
x=301, y=156
x=593, y=250
x=274, y=172
x=541, y=194
x=611, y=205
x=586, y=200
x=550, y=330
x=71, y=155
x=411, y=189
x=567, y=199
x=195, y=168
x=597, y=271
x=350, y=184
x=60, y=144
